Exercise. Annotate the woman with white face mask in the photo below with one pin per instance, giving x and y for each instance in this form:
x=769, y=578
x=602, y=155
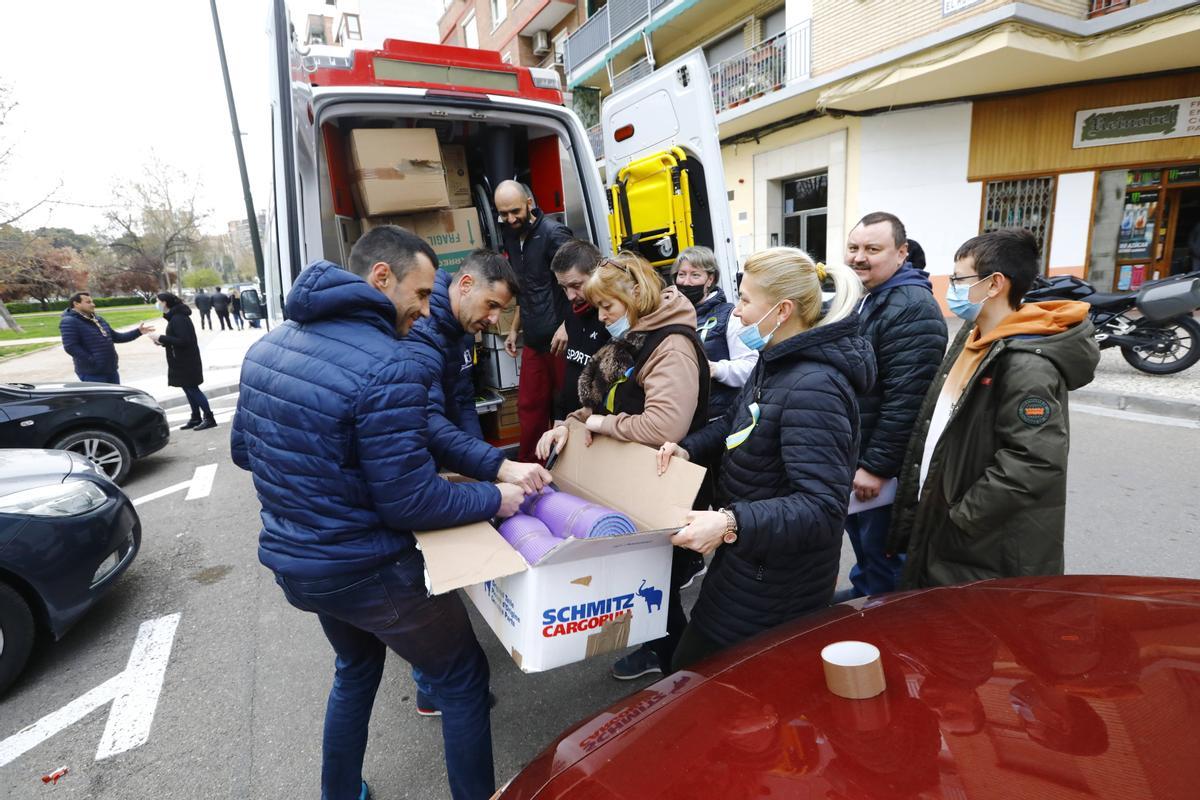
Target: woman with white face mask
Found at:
x=184, y=367
x=787, y=449
x=649, y=385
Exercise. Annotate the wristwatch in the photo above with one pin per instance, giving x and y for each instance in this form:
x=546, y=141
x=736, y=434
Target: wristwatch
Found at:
x=730, y=526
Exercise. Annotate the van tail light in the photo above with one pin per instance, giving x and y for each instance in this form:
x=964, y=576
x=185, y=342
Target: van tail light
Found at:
x=622, y=133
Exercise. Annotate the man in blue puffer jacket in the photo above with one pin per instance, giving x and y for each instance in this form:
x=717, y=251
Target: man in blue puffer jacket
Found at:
x=462, y=305
x=332, y=422
x=89, y=340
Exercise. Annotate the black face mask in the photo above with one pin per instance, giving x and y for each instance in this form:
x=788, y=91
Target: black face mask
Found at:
x=693, y=293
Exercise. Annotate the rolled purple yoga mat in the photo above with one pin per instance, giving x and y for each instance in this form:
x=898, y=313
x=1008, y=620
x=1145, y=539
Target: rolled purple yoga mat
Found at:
x=528, y=536
x=567, y=515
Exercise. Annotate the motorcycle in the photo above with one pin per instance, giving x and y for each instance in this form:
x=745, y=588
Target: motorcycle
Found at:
x=1153, y=326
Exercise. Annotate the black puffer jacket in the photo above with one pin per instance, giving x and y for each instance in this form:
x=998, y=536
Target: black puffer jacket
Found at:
x=906, y=331
x=543, y=304
x=788, y=483
x=184, y=366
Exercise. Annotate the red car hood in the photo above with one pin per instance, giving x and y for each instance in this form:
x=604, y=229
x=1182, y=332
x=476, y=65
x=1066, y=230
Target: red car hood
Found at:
x=1072, y=687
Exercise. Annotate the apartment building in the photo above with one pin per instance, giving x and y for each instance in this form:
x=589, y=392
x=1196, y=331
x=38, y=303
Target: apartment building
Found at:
x=529, y=33
x=1079, y=119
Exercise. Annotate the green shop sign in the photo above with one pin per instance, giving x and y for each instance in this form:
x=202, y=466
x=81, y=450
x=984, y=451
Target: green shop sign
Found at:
x=1172, y=119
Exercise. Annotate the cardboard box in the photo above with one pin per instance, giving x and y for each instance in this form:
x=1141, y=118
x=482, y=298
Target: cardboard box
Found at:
x=498, y=368
x=397, y=170
x=452, y=233
x=586, y=597
x=458, y=180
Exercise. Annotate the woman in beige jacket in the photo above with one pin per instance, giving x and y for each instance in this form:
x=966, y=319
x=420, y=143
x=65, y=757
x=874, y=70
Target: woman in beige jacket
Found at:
x=648, y=385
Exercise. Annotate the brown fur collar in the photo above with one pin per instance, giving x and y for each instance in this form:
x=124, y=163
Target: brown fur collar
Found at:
x=609, y=363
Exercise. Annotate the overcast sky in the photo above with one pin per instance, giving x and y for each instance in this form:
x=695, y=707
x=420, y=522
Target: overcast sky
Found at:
x=101, y=87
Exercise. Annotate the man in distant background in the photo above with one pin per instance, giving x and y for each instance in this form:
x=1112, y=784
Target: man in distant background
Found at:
x=204, y=304
x=220, y=304
x=89, y=340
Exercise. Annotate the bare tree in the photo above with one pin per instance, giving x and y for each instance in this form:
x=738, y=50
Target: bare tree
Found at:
x=157, y=225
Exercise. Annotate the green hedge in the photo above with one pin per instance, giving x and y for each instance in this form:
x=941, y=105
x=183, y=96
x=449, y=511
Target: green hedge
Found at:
x=60, y=305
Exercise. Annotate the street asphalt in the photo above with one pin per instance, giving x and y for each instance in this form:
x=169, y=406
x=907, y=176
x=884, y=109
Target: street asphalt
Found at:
x=240, y=711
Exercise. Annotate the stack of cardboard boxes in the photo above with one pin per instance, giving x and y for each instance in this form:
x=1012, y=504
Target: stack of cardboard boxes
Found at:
x=402, y=176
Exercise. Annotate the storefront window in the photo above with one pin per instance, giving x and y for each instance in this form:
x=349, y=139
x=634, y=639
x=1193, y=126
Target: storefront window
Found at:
x=805, y=202
x=1160, y=216
x=1026, y=203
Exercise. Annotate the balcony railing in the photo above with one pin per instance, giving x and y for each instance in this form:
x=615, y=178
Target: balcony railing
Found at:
x=1100, y=7
x=606, y=27
x=766, y=67
x=596, y=139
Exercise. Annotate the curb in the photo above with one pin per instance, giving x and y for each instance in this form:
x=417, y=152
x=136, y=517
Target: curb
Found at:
x=1141, y=403
x=216, y=391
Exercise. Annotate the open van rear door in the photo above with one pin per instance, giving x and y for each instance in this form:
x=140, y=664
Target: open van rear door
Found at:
x=292, y=144
x=666, y=182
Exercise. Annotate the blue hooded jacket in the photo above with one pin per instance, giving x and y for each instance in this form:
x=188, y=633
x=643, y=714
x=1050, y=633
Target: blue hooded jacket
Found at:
x=452, y=417
x=332, y=422
x=90, y=343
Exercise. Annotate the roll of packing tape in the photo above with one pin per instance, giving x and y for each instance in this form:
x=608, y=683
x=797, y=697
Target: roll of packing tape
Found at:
x=853, y=670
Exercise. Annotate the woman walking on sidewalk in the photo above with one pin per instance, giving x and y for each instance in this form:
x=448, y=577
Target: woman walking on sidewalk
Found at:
x=184, y=368
x=235, y=307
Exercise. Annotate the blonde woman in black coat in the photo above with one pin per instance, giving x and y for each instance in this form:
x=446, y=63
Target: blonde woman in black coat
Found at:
x=184, y=367
x=787, y=450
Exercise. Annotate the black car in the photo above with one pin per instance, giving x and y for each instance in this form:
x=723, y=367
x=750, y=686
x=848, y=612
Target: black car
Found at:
x=110, y=425
x=66, y=533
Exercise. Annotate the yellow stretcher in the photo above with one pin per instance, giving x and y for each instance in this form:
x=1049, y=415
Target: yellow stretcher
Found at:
x=658, y=206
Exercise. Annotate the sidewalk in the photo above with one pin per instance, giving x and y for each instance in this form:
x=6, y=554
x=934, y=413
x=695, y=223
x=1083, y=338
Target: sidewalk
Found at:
x=143, y=364
x=1118, y=385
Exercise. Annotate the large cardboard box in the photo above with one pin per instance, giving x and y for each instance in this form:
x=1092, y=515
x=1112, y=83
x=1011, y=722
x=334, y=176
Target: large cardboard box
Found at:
x=397, y=170
x=458, y=180
x=453, y=233
x=586, y=597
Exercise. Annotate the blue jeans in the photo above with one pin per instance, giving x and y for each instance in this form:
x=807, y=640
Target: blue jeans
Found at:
x=364, y=614
x=875, y=572
x=197, y=401
x=99, y=377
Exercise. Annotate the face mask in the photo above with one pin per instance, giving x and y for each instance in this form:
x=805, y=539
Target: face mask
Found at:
x=161, y=306
x=755, y=340
x=619, y=328
x=957, y=298
x=693, y=293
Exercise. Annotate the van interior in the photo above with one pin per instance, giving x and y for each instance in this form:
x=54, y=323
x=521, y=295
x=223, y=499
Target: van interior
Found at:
x=535, y=151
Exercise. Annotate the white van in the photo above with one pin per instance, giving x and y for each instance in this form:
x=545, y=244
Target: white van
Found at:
x=502, y=122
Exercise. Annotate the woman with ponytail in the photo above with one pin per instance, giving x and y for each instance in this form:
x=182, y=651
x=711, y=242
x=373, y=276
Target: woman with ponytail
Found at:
x=787, y=448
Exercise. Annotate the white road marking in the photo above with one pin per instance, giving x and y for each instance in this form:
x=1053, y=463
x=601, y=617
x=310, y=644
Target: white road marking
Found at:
x=133, y=693
x=202, y=482
x=177, y=487
x=1134, y=416
x=199, y=486
x=133, y=708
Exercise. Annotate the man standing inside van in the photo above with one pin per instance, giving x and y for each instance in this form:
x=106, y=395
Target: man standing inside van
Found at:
x=530, y=242
x=332, y=422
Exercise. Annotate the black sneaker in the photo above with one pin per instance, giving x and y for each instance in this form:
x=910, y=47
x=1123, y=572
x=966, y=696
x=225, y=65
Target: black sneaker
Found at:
x=643, y=661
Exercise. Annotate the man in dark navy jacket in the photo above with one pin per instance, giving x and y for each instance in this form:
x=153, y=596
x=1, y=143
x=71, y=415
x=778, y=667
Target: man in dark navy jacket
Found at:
x=89, y=340
x=462, y=305
x=902, y=321
x=332, y=422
